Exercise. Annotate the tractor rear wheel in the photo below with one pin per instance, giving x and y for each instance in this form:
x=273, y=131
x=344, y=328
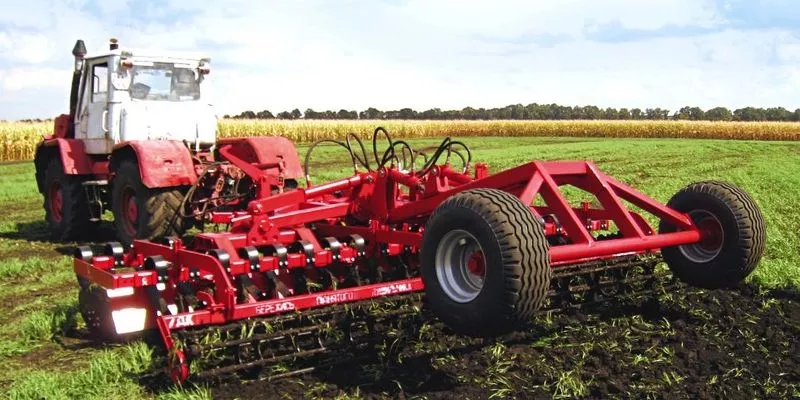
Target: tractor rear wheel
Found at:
x=485, y=263
x=65, y=205
x=141, y=212
x=733, y=232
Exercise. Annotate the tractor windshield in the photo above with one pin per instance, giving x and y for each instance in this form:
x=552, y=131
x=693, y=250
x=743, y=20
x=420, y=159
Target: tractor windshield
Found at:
x=164, y=81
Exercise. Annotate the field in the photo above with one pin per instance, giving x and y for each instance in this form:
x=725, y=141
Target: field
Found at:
x=18, y=139
x=687, y=343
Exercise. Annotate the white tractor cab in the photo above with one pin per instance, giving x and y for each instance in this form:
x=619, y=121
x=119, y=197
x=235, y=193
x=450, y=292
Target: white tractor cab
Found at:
x=137, y=126
x=124, y=96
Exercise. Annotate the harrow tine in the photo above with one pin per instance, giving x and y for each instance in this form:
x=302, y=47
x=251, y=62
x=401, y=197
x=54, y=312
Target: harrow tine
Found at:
x=400, y=269
x=276, y=286
x=298, y=338
x=302, y=342
x=375, y=272
x=245, y=287
x=236, y=367
x=327, y=280
x=351, y=277
x=299, y=281
x=186, y=298
x=158, y=264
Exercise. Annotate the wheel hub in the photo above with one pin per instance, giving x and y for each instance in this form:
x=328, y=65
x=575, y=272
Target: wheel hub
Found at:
x=711, y=234
x=460, y=266
x=476, y=264
x=130, y=211
x=56, y=202
x=712, y=238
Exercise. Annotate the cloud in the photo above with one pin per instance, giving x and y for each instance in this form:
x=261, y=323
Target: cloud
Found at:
x=510, y=18
x=747, y=14
x=33, y=48
x=21, y=79
x=435, y=53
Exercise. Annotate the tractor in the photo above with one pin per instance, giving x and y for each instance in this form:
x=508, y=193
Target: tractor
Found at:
x=296, y=275
x=141, y=135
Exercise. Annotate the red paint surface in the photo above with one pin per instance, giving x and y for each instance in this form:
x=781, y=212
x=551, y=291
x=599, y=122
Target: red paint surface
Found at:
x=73, y=155
x=266, y=152
x=163, y=163
x=273, y=221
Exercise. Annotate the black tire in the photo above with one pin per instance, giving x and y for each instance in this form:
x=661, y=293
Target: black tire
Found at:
x=516, y=262
x=717, y=262
x=155, y=208
x=65, y=205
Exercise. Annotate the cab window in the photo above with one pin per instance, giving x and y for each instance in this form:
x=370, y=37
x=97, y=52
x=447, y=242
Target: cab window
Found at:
x=99, y=82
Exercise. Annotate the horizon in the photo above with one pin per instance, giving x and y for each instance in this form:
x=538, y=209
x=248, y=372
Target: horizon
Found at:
x=661, y=114
x=394, y=54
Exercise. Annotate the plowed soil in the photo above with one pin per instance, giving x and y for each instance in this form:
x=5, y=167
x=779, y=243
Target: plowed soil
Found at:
x=728, y=344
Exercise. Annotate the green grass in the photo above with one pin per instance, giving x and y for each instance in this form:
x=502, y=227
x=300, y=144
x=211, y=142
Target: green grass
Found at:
x=569, y=385
x=39, y=291
x=110, y=375
x=15, y=267
x=45, y=325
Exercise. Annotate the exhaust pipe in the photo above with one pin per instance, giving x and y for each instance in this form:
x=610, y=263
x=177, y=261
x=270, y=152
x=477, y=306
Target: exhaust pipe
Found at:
x=79, y=52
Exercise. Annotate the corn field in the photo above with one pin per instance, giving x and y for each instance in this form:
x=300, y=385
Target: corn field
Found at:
x=18, y=139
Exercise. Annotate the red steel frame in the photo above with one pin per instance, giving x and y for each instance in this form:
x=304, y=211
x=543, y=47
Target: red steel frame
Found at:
x=393, y=223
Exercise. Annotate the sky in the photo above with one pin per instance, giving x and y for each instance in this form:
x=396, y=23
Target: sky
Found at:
x=390, y=54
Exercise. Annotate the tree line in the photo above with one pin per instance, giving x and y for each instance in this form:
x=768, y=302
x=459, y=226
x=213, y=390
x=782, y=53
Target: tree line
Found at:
x=540, y=112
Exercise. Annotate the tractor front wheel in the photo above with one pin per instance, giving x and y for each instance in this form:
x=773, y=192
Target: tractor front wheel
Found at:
x=485, y=263
x=141, y=212
x=733, y=235
x=65, y=205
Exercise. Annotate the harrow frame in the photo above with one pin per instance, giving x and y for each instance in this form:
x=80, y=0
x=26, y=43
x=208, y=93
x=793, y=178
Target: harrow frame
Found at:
x=322, y=233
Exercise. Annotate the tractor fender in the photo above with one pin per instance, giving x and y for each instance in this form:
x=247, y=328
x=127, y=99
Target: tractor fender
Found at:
x=266, y=150
x=71, y=152
x=162, y=163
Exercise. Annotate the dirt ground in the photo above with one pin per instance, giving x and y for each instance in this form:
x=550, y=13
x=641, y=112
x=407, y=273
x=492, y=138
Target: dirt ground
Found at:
x=689, y=344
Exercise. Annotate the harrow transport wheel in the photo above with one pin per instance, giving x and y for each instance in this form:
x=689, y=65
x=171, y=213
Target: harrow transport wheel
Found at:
x=65, y=205
x=485, y=263
x=733, y=232
x=141, y=212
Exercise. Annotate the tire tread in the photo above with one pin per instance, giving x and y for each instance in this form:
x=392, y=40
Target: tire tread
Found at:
x=742, y=258
x=75, y=219
x=524, y=251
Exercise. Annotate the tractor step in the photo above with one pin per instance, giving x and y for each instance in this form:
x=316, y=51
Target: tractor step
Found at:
x=95, y=183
